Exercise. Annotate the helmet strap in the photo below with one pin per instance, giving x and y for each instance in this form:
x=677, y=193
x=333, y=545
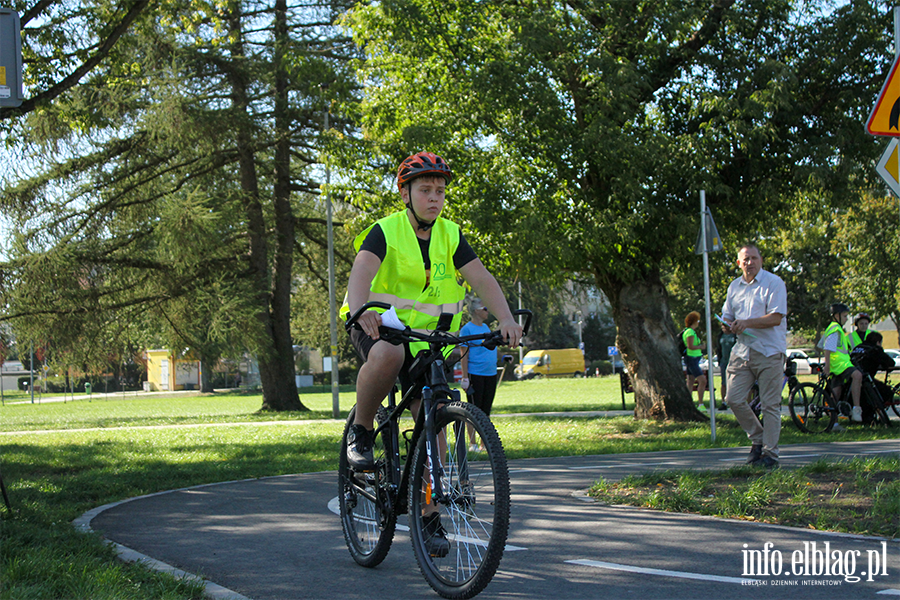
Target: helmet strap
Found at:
x=422, y=225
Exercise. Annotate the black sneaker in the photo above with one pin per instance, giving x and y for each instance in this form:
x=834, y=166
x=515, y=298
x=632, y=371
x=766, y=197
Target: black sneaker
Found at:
x=755, y=454
x=766, y=462
x=359, y=448
x=435, y=536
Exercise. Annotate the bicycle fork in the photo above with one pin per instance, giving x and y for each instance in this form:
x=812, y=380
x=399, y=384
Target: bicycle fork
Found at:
x=435, y=470
x=434, y=492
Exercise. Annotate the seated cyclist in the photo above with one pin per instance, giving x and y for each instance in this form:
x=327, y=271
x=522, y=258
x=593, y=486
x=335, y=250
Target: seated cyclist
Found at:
x=871, y=358
x=836, y=344
x=412, y=260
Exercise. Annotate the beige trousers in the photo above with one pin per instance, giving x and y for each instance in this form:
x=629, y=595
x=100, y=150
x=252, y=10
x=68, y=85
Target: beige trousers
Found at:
x=769, y=372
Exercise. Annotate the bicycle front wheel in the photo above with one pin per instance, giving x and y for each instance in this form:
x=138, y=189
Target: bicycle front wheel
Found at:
x=812, y=409
x=474, y=513
x=367, y=514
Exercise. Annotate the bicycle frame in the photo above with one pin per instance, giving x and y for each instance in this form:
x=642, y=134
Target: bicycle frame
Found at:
x=424, y=423
x=435, y=392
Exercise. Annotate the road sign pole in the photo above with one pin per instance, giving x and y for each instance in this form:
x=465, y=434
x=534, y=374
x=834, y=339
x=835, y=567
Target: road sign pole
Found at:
x=896, y=31
x=709, y=353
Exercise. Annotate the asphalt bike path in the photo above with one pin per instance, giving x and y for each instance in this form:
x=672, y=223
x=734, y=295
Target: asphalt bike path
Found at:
x=280, y=538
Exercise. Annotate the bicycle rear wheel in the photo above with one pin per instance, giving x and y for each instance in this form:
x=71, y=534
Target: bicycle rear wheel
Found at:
x=895, y=400
x=812, y=409
x=475, y=513
x=876, y=403
x=367, y=514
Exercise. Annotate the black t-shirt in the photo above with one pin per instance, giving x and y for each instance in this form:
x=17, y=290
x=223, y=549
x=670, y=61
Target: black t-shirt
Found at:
x=377, y=245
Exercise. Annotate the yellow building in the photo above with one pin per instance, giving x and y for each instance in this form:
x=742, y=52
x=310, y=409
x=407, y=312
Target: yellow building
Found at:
x=165, y=372
x=888, y=331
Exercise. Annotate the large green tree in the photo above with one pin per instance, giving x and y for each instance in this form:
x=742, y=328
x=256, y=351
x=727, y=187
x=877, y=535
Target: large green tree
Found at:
x=170, y=178
x=583, y=132
x=868, y=240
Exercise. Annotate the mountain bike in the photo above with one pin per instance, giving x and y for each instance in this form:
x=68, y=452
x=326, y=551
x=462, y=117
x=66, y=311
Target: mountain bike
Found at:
x=431, y=467
x=814, y=408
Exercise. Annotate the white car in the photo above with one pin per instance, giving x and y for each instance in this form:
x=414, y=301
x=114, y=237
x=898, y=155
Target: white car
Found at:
x=704, y=366
x=895, y=354
x=806, y=364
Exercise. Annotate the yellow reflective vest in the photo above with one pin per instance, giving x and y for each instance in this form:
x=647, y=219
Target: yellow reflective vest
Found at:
x=840, y=360
x=419, y=297
x=856, y=340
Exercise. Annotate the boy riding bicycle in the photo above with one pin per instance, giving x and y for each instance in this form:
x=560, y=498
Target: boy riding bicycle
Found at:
x=412, y=260
x=837, y=348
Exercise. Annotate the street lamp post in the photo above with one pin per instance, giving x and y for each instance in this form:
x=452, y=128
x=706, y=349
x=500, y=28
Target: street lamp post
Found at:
x=332, y=304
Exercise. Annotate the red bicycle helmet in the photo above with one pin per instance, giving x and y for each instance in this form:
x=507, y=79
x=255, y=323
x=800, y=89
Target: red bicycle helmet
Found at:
x=860, y=316
x=422, y=163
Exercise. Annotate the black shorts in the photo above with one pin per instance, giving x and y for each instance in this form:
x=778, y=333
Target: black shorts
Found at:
x=845, y=375
x=362, y=343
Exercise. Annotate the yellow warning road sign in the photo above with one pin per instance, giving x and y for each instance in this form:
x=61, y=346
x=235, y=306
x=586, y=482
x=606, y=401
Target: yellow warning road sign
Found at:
x=889, y=166
x=885, y=117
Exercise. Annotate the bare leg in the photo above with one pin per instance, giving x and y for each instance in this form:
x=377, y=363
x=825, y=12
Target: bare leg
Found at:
x=375, y=380
x=856, y=386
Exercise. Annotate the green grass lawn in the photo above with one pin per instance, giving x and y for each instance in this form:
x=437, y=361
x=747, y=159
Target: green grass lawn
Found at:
x=861, y=495
x=62, y=459
x=547, y=395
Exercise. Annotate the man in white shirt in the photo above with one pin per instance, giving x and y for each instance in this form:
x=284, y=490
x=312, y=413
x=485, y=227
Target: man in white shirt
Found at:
x=755, y=309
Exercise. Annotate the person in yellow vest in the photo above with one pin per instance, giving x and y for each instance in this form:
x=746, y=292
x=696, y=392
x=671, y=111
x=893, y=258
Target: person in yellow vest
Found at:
x=692, y=355
x=837, y=348
x=414, y=260
x=861, y=322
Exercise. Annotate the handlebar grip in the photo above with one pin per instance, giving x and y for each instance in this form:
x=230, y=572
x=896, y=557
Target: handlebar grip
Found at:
x=351, y=322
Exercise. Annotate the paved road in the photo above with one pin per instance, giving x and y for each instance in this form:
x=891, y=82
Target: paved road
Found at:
x=277, y=538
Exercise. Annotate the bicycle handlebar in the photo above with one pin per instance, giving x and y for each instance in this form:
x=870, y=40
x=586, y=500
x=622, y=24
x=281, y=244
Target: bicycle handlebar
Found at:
x=439, y=337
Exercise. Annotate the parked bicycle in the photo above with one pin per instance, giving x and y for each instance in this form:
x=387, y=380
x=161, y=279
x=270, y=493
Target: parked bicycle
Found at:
x=431, y=469
x=815, y=409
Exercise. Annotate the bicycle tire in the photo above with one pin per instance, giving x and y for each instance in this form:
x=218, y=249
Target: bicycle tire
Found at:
x=368, y=526
x=873, y=398
x=895, y=405
x=812, y=409
x=477, y=515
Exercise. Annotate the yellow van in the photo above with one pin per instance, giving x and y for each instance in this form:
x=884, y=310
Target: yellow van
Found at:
x=568, y=362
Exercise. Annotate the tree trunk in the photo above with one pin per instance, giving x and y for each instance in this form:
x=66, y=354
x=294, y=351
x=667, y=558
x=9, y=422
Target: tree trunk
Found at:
x=648, y=343
x=276, y=358
x=206, y=365
x=206, y=386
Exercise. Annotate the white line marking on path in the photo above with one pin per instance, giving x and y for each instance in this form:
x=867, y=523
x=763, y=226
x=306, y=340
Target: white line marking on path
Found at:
x=660, y=572
x=889, y=592
x=334, y=505
x=620, y=464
